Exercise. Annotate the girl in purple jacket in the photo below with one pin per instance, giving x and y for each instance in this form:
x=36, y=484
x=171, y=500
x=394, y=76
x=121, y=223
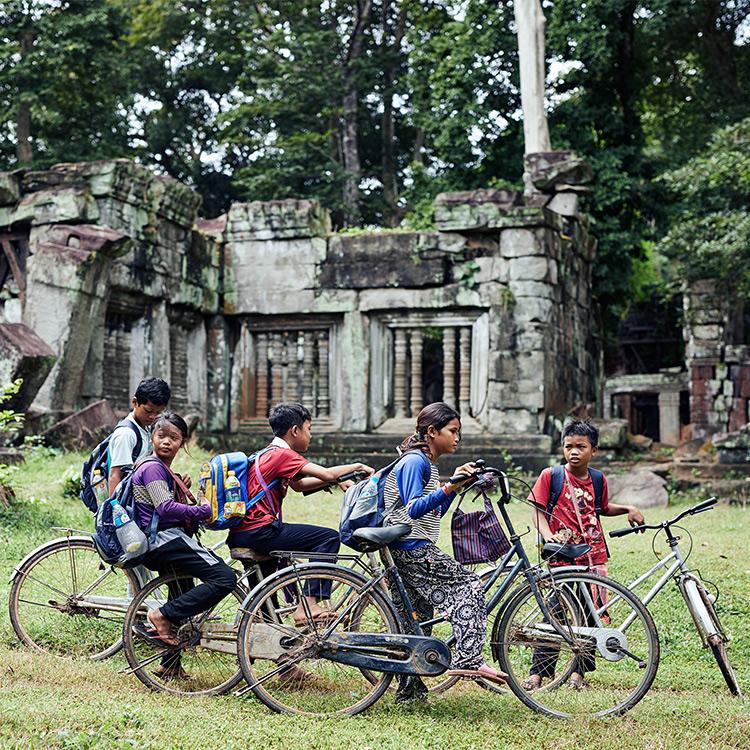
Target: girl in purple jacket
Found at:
x=157, y=489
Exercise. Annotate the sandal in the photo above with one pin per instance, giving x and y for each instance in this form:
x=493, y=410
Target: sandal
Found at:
x=171, y=673
x=532, y=682
x=325, y=616
x=151, y=634
x=577, y=682
x=484, y=672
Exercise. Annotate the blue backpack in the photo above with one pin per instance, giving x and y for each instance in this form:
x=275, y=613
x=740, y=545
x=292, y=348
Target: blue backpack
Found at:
x=213, y=479
x=98, y=460
x=105, y=537
x=364, y=503
x=557, y=481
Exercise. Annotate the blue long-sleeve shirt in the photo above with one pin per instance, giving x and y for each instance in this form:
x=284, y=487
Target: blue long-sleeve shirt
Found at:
x=413, y=495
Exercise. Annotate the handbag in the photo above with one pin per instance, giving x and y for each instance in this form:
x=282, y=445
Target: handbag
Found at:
x=478, y=536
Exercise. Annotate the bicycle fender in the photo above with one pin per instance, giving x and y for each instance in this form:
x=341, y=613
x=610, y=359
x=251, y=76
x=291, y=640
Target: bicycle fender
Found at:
x=21, y=565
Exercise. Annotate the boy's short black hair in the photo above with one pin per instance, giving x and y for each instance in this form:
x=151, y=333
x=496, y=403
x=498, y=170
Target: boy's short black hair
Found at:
x=155, y=390
x=581, y=427
x=285, y=416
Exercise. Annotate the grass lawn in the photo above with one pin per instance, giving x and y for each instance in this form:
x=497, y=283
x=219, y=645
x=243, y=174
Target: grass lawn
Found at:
x=55, y=703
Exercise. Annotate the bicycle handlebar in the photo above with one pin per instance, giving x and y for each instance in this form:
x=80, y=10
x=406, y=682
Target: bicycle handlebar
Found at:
x=351, y=476
x=702, y=506
x=482, y=471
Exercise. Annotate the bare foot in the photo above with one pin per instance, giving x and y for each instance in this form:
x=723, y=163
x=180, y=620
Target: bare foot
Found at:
x=163, y=627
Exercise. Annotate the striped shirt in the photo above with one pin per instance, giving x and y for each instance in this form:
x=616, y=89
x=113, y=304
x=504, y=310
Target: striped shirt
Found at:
x=413, y=497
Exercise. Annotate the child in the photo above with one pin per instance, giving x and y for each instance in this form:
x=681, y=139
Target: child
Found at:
x=157, y=489
x=263, y=529
x=433, y=579
x=150, y=399
x=575, y=519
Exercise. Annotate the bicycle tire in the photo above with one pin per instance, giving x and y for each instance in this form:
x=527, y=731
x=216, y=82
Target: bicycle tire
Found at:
x=198, y=665
x=68, y=568
x=522, y=626
x=319, y=686
x=716, y=642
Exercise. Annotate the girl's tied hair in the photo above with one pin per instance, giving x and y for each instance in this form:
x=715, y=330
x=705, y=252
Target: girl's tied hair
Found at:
x=435, y=415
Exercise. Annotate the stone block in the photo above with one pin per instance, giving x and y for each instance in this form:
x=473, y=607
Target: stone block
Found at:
x=550, y=168
x=644, y=489
x=84, y=429
x=539, y=289
x=530, y=268
x=280, y=219
x=519, y=242
x=23, y=355
x=612, y=433
x=52, y=207
x=565, y=204
x=10, y=188
x=533, y=310
x=389, y=259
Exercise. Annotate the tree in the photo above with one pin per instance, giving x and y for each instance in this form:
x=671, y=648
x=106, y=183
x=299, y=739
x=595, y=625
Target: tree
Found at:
x=63, y=81
x=709, y=235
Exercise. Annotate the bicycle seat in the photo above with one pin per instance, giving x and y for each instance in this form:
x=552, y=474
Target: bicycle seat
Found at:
x=375, y=537
x=564, y=551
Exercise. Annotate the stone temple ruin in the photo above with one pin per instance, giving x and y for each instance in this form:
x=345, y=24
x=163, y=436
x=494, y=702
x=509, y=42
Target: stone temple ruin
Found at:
x=107, y=274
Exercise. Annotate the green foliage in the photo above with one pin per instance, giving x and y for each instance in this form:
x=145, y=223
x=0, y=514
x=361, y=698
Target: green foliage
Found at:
x=9, y=418
x=68, y=62
x=710, y=234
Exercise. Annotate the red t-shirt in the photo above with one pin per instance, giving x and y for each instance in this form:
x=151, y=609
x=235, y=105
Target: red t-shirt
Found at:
x=278, y=463
x=564, y=515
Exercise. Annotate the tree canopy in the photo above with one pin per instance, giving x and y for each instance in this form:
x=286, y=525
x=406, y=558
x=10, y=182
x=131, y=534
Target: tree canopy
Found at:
x=375, y=106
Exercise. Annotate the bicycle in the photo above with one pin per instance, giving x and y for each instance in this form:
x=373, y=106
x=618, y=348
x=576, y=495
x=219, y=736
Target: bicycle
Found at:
x=699, y=601
x=65, y=601
x=205, y=661
x=342, y=667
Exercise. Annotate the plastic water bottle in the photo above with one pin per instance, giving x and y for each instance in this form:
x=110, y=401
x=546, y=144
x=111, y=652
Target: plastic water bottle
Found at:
x=131, y=538
x=233, y=504
x=100, y=486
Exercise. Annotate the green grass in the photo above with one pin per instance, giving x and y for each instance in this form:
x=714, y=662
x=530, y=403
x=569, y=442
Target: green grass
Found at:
x=58, y=703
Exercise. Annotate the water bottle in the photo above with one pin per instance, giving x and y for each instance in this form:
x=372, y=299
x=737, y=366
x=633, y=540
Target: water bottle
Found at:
x=131, y=538
x=100, y=485
x=233, y=504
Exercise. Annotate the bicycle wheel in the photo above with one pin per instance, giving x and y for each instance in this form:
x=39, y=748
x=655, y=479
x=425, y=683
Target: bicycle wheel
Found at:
x=608, y=635
x=205, y=662
x=714, y=637
x=65, y=601
x=281, y=659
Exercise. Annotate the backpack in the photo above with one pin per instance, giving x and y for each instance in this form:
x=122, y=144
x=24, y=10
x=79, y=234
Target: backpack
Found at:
x=557, y=482
x=105, y=537
x=98, y=460
x=364, y=503
x=213, y=477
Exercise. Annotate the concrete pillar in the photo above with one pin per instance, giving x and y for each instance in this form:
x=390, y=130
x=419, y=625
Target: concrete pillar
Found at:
x=218, y=374
x=669, y=417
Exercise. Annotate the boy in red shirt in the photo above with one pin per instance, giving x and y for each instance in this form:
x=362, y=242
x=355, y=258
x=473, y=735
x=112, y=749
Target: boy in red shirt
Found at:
x=262, y=529
x=575, y=519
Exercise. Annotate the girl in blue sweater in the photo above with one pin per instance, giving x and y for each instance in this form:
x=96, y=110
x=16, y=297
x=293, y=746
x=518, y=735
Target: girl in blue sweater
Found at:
x=432, y=578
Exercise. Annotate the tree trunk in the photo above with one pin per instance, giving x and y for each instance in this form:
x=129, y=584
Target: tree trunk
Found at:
x=531, y=49
x=23, y=115
x=624, y=73
x=388, y=131
x=350, y=101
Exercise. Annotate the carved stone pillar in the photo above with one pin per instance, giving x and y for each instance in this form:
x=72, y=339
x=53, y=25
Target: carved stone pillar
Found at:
x=261, y=376
x=399, y=373
x=416, y=371
x=291, y=390
x=277, y=369
x=323, y=394
x=308, y=360
x=464, y=372
x=449, y=366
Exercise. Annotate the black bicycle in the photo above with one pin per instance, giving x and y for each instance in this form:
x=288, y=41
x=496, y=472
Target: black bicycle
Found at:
x=555, y=619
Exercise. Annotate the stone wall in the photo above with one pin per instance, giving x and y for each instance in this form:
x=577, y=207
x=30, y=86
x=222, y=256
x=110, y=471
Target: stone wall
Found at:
x=717, y=358
x=491, y=311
